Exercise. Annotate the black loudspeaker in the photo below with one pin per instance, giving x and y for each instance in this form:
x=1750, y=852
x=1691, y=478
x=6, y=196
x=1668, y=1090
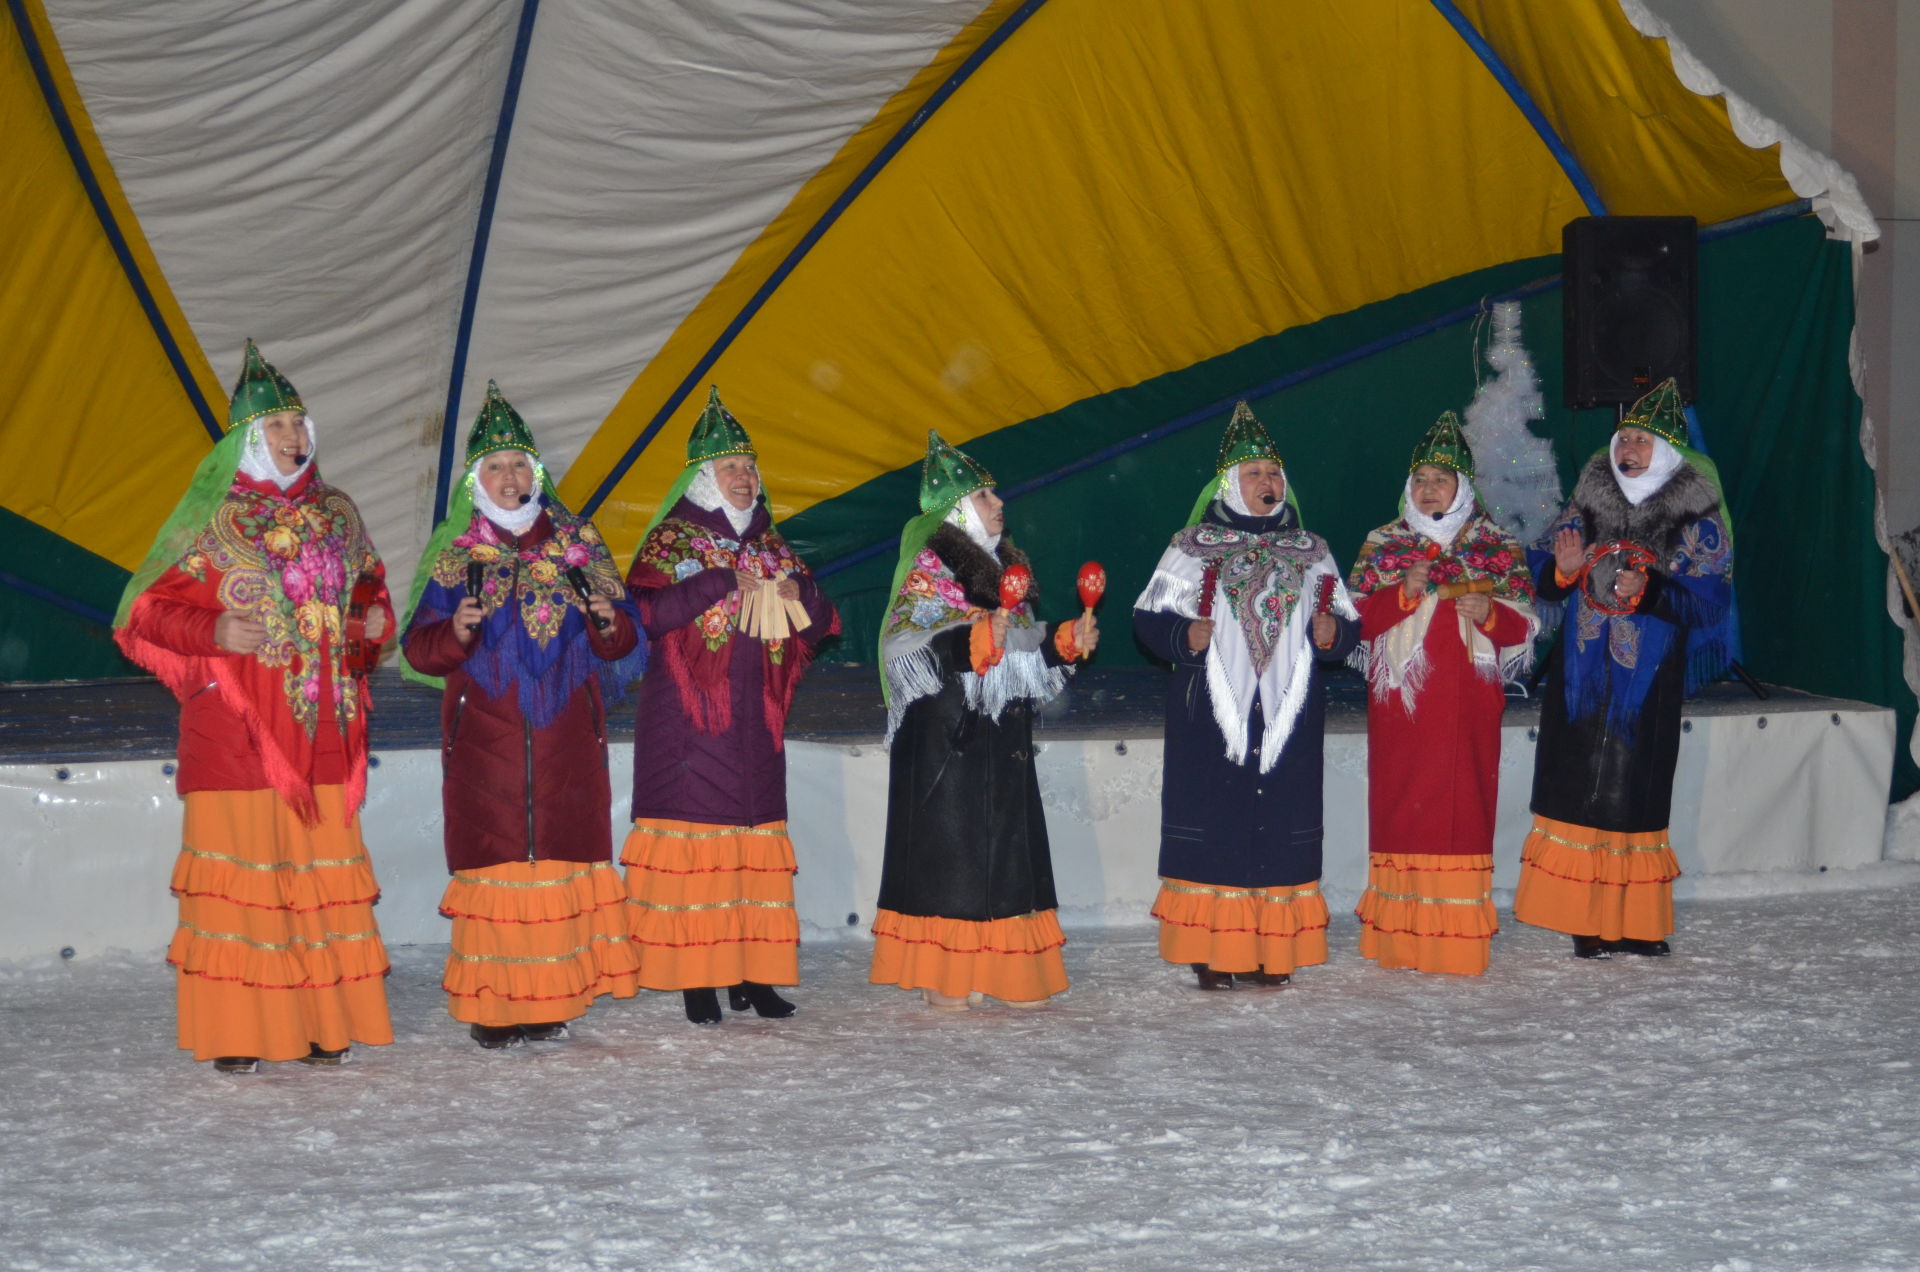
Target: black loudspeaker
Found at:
x=1632, y=294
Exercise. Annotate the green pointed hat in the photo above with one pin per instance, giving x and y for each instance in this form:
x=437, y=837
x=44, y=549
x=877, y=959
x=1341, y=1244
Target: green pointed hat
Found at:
x=1245, y=439
x=716, y=433
x=260, y=390
x=948, y=475
x=1661, y=412
x=1444, y=446
x=498, y=427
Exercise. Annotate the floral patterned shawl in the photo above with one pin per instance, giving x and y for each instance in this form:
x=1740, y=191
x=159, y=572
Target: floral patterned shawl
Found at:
x=699, y=655
x=1396, y=662
x=932, y=600
x=532, y=640
x=1262, y=647
x=288, y=559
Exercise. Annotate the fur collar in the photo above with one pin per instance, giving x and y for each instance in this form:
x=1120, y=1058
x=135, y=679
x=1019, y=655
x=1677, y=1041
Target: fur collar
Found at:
x=972, y=568
x=1655, y=524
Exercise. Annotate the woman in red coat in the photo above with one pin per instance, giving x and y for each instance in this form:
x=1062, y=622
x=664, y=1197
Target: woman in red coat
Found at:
x=519, y=608
x=1446, y=612
x=240, y=609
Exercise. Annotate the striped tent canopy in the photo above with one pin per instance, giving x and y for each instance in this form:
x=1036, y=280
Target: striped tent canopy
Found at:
x=1069, y=234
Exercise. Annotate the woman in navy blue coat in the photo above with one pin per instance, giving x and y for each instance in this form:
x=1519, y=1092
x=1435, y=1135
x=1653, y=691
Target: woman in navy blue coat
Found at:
x=1249, y=609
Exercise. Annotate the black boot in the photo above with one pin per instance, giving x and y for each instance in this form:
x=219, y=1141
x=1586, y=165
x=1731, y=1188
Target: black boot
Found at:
x=759, y=997
x=554, y=1032
x=318, y=1055
x=1645, y=949
x=703, y=1006
x=494, y=1037
x=236, y=1064
x=1591, y=947
x=1210, y=979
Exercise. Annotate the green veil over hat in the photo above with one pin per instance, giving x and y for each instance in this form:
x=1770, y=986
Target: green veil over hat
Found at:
x=947, y=475
x=715, y=433
x=260, y=391
x=1245, y=440
x=497, y=428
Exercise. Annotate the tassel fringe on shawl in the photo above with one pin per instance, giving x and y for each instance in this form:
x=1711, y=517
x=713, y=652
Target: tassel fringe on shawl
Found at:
x=951, y=581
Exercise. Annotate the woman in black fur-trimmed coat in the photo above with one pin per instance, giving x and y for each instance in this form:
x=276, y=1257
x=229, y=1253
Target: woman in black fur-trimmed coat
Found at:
x=966, y=907
x=1639, y=635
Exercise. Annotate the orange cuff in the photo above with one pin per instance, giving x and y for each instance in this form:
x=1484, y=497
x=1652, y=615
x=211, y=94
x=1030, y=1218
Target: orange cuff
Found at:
x=1063, y=642
x=980, y=650
x=1563, y=580
x=1406, y=606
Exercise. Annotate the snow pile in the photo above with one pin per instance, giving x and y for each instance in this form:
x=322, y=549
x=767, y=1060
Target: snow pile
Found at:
x=1746, y=1104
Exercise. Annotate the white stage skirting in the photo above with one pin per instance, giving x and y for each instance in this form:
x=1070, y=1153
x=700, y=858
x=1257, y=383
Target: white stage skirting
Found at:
x=1786, y=795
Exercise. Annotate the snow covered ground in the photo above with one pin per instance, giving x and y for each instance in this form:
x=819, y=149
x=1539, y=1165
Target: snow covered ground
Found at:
x=1747, y=1104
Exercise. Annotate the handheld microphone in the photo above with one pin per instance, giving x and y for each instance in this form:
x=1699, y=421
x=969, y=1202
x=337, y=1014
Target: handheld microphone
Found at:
x=476, y=580
x=577, y=579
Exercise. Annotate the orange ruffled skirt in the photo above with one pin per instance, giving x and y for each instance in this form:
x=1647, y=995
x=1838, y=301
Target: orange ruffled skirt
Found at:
x=711, y=905
x=1603, y=883
x=1016, y=960
x=1430, y=912
x=1242, y=929
x=277, y=950
x=535, y=942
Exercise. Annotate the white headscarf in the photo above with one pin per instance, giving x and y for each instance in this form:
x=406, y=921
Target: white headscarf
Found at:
x=967, y=517
x=513, y=520
x=705, y=493
x=256, y=461
x=1666, y=462
x=1445, y=528
x=1231, y=496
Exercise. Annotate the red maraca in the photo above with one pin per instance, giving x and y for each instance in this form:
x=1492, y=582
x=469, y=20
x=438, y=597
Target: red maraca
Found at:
x=1015, y=583
x=1093, y=584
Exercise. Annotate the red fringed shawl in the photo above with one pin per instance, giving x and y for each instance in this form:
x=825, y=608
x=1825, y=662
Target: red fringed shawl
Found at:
x=290, y=561
x=699, y=654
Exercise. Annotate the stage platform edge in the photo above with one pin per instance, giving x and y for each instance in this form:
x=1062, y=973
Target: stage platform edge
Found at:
x=1776, y=793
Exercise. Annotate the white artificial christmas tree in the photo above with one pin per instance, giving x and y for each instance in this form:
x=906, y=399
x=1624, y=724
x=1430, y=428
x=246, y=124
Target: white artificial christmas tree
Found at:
x=1513, y=467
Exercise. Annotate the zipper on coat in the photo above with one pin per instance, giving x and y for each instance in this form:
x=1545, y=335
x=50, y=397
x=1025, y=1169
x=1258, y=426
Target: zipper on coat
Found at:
x=453, y=730
x=526, y=726
x=599, y=720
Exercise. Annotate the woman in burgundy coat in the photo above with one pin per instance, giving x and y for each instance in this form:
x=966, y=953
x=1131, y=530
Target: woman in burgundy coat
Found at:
x=709, y=864
x=518, y=606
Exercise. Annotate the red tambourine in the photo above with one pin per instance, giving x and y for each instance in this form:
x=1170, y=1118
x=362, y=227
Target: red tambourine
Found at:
x=1634, y=557
x=1015, y=584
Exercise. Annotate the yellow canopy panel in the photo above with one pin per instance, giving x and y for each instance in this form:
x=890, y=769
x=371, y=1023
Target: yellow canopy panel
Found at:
x=93, y=416
x=1118, y=191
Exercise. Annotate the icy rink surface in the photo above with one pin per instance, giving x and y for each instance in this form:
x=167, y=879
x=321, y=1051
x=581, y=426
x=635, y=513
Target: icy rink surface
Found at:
x=1750, y=1103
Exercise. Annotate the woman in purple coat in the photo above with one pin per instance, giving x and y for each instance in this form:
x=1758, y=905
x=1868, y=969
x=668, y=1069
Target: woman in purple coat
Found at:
x=709, y=864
